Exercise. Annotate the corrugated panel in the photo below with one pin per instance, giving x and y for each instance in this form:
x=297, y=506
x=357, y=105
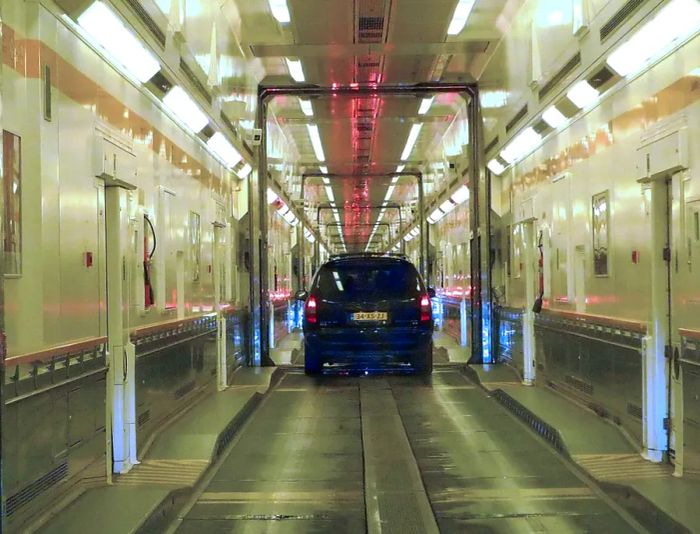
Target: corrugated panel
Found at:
x=574, y=62
x=40, y=485
x=620, y=16
x=517, y=118
x=146, y=20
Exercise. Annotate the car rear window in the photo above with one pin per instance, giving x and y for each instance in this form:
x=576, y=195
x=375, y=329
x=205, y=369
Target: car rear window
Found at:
x=351, y=281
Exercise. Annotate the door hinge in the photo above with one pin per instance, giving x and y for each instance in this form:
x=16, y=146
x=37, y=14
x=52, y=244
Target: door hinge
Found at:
x=667, y=254
x=668, y=352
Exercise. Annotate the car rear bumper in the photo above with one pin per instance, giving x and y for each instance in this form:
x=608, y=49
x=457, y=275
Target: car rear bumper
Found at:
x=369, y=345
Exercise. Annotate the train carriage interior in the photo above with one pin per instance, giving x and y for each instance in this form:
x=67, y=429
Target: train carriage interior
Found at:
x=350, y=265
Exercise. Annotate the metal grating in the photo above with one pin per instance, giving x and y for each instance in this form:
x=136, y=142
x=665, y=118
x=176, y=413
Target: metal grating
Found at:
x=634, y=410
x=581, y=385
x=194, y=80
x=518, y=117
x=33, y=490
x=620, y=16
x=365, y=24
x=147, y=21
x=368, y=64
x=184, y=390
x=574, y=62
x=143, y=418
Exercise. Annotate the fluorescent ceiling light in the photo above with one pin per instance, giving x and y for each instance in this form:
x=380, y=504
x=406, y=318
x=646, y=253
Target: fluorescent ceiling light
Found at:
x=493, y=99
x=283, y=209
x=280, y=10
x=554, y=117
x=245, y=171
x=673, y=23
x=271, y=196
x=496, y=167
x=329, y=193
x=400, y=168
x=415, y=232
x=107, y=29
x=290, y=218
x=389, y=192
x=306, y=107
x=425, y=105
x=316, y=141
x=436, y=216
x=296, y=70
x=460, y=16
x=185, y=109
x=582, y=94
x=407, y=237
x=461, y=195
x=411, y=141
x=447, y=206
x=523, y=143
x=224, y=150
x=326, y=181
x=324, y=169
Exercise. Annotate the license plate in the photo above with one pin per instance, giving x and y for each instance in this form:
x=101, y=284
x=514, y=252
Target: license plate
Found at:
x=370, y=316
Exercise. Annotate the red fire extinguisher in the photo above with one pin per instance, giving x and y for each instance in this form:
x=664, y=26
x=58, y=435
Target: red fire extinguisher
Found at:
x=148, y=297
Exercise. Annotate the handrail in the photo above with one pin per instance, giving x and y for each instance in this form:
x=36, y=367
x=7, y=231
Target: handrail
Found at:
x=167, y=325
x=690, y=333
x=42, y=355
x=600, y=320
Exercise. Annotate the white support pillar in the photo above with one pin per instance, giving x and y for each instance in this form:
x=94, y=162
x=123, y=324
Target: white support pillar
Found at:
x=463, y=323
x=221, y=364
x=271, y=324
x=529, y=369
x=655, y=365
x=121, y=391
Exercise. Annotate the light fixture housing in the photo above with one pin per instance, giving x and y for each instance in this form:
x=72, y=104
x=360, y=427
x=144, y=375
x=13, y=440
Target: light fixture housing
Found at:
x=389, y=192
x=224, y=150
x=271, y=196
x=411, y=141
x=316, y=142
x=244, y=171
x=106, y=28
x=676, y=21
x=582, y=94
x=296, y=69
x=280, y=11
x=461, y=195
x=521, y=145
x=324, y=169
x=400, y=168
x=329, y=193
x=185, y=109
x=447, y=206
x=425, y=105
x=460, y=16
x=554, y=117
x=306, y=107
x=496, y=167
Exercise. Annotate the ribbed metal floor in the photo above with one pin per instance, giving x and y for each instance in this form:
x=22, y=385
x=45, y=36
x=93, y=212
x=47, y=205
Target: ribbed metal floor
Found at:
x=393, y=454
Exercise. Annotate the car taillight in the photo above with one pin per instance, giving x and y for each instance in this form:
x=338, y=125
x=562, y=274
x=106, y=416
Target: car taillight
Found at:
x=311, y=310
x=426, y=309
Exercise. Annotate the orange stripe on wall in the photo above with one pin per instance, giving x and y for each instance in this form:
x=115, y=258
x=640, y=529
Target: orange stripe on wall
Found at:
x=27, y=56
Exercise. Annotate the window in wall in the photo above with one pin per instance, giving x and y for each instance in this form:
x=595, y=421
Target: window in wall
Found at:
x=12, y=193
x=601, y=233
x=195, y=245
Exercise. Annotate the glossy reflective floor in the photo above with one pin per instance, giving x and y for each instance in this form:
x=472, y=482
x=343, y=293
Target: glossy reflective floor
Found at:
x=393, y=454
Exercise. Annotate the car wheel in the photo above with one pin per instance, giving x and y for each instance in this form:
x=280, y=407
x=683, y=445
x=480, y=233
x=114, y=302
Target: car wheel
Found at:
x=312, y=365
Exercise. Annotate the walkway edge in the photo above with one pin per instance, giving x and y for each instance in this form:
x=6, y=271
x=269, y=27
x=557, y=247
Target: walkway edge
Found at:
x=164, y=512
x=641, y=508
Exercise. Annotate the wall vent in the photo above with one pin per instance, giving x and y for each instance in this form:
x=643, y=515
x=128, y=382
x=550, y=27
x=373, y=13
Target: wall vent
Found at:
x=370, y=24
x=194, y=80
x=184, y=390
x=619, y=17
x=147, y=21
x=491, y=145
x=634, y=410
x=143, y=418
x=518, y=117
x=33, y=490
x=559, y=76
x=581, y=385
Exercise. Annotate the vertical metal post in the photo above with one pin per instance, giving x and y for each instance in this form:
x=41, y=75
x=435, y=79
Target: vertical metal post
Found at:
x=3, y=339
x=259, y=287
x=529, y=316
x=421, y=223
x=480, y=188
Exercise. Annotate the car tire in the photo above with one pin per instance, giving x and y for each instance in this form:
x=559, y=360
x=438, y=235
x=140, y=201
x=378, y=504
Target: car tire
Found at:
x=312, y=365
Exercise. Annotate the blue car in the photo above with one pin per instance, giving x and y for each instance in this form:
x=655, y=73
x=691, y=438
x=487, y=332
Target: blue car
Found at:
x=368, y=312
